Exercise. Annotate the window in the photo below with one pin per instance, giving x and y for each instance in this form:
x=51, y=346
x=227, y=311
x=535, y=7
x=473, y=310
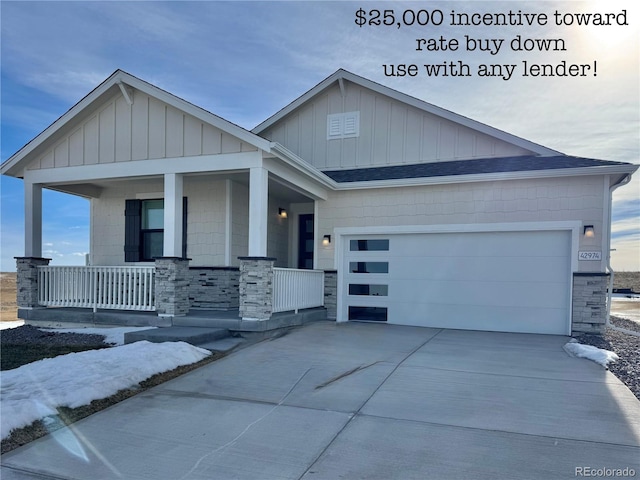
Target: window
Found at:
x=343, y=125
x=152, y=231
x=144, y=230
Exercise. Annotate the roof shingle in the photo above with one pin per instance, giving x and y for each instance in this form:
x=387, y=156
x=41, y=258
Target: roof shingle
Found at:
x=466, y=167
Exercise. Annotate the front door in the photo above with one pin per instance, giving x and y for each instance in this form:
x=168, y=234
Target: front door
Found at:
x=305, y=241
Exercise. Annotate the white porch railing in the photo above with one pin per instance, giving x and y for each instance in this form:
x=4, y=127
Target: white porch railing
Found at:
x=121, y=288
x=294, y=289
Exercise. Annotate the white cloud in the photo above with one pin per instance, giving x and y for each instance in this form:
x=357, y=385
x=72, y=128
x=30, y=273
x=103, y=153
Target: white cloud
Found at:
x=626, y=257
x=246, y=60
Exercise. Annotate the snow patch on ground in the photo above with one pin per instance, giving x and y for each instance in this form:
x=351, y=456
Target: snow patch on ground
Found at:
x=33, y=391
x=598, y=355
x=14, y=324
x=113, y=335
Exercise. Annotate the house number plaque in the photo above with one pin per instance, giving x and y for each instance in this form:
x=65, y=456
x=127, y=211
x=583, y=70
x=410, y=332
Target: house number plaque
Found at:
x=589, y=255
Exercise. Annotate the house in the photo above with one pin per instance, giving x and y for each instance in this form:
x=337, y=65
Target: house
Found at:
x=375, y=204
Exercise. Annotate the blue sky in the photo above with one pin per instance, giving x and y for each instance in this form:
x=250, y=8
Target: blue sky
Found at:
x=246, y=60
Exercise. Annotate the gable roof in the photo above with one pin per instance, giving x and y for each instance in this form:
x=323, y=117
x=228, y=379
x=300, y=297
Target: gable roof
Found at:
x=528, y=163
x=124, y=81
x=341, y=75
x=544, y=162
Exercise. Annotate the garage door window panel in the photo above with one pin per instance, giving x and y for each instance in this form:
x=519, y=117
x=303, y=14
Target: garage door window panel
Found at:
x=368, y=267
x=368, y=314
x=372, y=245
x=368, y=290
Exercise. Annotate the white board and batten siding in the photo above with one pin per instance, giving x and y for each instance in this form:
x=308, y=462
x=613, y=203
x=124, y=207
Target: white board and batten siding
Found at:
x=390, y=133
x=147, y=129
x=506, y=281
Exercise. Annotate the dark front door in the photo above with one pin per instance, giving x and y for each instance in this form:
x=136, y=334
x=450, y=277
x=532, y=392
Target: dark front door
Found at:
x=305, y=241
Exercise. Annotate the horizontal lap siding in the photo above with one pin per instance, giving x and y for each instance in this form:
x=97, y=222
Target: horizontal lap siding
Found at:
x=541, y=200
x=206, y=216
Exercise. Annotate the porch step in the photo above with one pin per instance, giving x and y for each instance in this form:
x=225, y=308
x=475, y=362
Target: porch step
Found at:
x=193, y=335
x=223, y=345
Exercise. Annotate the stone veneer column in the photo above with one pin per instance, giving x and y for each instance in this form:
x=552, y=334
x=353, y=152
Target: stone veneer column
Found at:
x=589, y=302
x=256, y=287
x=27, y=280
x=172, y=286
x=331, y=293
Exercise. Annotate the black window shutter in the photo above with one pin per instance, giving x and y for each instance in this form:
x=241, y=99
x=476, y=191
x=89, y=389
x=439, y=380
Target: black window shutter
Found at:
x=184, y=227
x=132, y=224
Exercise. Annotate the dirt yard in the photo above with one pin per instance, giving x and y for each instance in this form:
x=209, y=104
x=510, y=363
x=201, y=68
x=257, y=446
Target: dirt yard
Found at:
x=627, y=280
x=8, y=306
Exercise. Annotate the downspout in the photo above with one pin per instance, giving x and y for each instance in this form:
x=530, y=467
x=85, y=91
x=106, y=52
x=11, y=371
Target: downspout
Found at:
x=623, y=182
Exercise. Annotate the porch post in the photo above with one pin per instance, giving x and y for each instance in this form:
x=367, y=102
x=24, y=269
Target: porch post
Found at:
x=173, y=191
x=32, y=219
x=172, y=286
x=258, y=203
x=228, y=222
x=256, y=288
x=27, y=281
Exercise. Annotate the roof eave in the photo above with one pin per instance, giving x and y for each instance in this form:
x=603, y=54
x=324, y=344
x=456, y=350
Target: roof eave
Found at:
x=489, y=177
x=299, y=164
x=12, y=165
x=408, y=99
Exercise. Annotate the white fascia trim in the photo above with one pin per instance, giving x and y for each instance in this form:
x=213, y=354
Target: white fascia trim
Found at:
x=342, y=75
x=141, y=168
x=487, y=177
x=122, y=79
x=199, y=113
x=297, y=102
x=572, y=225
x=294, y=180
x=451, y=116
x=60, y=123
x=302, y=166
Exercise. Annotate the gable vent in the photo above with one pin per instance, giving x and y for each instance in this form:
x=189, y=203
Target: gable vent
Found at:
x=335, y=126
x=343, y=125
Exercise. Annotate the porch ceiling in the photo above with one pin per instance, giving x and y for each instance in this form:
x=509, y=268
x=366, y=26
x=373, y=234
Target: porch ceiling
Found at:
x=277, y=187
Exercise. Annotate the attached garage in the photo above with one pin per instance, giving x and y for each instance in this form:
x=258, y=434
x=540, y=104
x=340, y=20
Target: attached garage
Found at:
x=508, y=281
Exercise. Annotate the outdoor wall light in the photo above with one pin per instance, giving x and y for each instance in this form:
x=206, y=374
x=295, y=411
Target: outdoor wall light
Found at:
x=588, y=231
x=282, y=212
x=326, y=240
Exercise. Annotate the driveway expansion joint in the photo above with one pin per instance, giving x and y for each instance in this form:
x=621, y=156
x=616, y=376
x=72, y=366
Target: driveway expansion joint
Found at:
x=356, y=414
x=493, y=430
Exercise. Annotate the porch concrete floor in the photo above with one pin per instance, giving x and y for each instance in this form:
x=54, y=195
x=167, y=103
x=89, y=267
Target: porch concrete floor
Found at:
x=192, y=335
x=225, y=319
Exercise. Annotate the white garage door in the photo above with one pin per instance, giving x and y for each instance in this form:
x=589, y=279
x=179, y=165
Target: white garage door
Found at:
x=497, y=281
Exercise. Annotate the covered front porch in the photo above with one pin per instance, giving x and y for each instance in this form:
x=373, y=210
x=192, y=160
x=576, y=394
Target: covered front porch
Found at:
x=222, y=243
x=188, y=211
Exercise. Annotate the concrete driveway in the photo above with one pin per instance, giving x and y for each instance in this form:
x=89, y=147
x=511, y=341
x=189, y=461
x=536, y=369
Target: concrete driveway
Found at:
x=363, y=401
